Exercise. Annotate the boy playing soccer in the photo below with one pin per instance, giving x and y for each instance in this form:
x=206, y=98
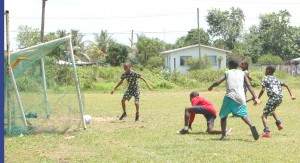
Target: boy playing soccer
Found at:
x=132, y=90
x=200, y=105
x=235, y=101
x=274, y=92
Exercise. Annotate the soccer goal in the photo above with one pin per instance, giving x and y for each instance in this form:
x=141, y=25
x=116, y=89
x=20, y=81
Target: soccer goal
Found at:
x=43, y=96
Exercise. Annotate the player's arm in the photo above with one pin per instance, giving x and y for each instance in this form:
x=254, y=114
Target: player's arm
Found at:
x=254, y=97
x=290, y=92
x=148, y=85
x=249, y=77
x=216, y=83
x=120, y=82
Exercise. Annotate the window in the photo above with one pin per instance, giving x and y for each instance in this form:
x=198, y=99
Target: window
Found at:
x=183, y=59
x=213, y=60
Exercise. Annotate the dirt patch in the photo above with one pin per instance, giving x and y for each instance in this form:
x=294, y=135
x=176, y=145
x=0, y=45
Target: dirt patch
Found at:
x=104, y=119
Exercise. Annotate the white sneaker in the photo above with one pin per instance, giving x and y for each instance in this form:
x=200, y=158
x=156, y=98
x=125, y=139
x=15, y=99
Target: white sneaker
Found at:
x=229, y=132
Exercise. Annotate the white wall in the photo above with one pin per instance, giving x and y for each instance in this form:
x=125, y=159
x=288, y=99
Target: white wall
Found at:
x=194, y=53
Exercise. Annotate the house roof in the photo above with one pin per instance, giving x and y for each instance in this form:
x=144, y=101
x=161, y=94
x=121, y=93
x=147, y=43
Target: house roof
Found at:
x=296, y=59
x=192, y=46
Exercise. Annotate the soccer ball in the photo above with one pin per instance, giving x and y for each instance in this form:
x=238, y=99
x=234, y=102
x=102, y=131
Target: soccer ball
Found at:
x=87, y=119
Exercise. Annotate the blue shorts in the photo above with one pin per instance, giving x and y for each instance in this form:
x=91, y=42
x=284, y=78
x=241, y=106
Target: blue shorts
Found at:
x=231, y=106
x=210, y=118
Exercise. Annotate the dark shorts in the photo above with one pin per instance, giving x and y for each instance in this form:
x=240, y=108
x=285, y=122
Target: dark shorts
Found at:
x=271, y=105
x=129, y=93
x=210, y=118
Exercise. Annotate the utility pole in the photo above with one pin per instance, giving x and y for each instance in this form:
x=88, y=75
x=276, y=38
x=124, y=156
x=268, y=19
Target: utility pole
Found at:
x=8, y=72
x=42, y=60
x=198, y=33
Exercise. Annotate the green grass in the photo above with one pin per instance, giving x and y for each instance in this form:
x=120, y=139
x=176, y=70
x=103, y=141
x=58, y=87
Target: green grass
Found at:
x=153, y=139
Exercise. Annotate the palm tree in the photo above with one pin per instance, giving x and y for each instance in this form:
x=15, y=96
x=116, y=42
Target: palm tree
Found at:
x=103, y=40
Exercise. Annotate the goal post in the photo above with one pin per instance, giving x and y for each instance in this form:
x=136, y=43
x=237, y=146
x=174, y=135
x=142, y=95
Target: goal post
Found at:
x=26, y=87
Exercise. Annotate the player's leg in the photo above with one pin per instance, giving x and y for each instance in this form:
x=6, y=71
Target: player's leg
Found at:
x=187, y=113
x=210, y=119
x=126, y=96
x=223, y=128
x=137, y=105
x=277, y=121
x=225, y=110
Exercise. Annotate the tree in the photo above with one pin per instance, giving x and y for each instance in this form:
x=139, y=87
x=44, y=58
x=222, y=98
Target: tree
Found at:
x=227, y=25
x=116, y=54
x=148, y=47
x=276, y=35
x=102, y=40
x=192, y=38
x=28, y=36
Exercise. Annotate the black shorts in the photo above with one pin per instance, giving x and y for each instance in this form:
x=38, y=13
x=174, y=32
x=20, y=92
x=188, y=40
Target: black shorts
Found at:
x=210, y=118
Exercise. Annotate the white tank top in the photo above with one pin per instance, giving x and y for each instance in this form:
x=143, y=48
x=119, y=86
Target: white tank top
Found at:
x=235, y=85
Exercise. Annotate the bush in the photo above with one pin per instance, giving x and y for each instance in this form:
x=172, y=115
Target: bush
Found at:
x=269, y=59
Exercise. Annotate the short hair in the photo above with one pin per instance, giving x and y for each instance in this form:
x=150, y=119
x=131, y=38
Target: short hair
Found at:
x=246, y=63
x=233, y=63
x=272, y=68
x=128, y=64
x=194, y=94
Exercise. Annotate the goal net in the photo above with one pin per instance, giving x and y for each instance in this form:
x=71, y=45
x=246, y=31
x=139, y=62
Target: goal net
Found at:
x=41, y=94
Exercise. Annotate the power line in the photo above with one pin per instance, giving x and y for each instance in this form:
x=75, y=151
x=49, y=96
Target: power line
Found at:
x=93, y=18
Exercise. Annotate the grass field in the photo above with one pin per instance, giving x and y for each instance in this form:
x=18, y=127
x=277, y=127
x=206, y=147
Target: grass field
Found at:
x=153, y=138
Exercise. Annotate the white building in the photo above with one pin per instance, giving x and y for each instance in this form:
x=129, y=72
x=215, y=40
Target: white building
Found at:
x=175, y=59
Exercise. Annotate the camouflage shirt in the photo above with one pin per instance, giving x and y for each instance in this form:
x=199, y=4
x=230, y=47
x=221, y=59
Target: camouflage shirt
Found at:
x=273, y=86
x=132, y=79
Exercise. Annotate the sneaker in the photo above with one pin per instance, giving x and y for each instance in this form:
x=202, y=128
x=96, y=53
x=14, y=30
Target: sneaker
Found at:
x=123, y=116
x=280, y=127
x=137, y=117
x=183, y=131
x=223, y=138
x=266, y=135
x=254, y=133
x=229, y=132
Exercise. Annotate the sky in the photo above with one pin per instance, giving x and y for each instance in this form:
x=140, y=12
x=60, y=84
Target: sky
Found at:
x=166, y=20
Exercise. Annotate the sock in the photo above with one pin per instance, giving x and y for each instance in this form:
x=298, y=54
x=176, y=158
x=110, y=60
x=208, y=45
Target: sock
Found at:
x=186, y=127
x=278, y=122
x=266, y=129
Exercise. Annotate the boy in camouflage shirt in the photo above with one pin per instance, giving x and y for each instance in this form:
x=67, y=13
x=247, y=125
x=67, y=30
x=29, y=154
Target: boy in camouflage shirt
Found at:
x=133, y=89
x=274, y=92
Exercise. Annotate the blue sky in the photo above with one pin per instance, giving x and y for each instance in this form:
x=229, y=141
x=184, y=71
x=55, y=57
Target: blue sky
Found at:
x=163, y=19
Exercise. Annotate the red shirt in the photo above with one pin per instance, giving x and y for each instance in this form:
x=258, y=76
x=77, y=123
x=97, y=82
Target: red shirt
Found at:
x=200, y=101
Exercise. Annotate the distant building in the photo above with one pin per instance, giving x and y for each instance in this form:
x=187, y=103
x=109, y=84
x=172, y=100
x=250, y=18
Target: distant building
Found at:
x=175, y=59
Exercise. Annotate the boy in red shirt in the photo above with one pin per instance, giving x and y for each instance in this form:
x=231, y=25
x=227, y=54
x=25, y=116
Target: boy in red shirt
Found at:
x=200, y=105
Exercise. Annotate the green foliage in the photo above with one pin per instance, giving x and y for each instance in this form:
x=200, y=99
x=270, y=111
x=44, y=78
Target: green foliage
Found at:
x=148, y=47
x=192, y=38
x=226, y=24
x=206, y=75
x=28, y=36
x=117, y=54
x=154, y=62
x=269, y=59
x=198, y=64
x=276, y=35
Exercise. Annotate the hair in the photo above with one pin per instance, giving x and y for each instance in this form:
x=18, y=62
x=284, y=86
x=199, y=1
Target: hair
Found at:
x=233, y=63
x=128, y=64
x=246, y=63
x=194, y=94
x=272, y=68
